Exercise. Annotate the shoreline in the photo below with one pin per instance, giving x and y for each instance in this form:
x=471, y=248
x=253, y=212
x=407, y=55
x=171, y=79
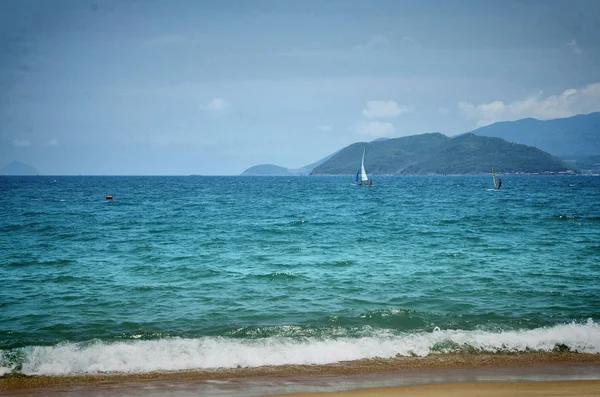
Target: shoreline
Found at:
x=484, y=389
x=338, y=377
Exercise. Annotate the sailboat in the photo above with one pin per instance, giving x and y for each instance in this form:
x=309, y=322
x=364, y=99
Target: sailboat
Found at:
x=361, y=175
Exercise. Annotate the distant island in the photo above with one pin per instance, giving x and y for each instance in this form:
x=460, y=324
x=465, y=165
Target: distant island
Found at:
x=18, y=168
x=567, y=145
x=275, y=170
x=269, y=170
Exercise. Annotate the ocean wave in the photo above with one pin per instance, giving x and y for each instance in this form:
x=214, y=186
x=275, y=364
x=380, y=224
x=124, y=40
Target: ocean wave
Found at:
x=174, y=354
x=565, y=217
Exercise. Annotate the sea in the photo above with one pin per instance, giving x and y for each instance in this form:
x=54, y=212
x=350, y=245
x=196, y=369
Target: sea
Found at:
x=195, y=272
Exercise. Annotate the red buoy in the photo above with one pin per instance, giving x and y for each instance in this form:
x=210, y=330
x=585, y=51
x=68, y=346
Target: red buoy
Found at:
x=109, y=197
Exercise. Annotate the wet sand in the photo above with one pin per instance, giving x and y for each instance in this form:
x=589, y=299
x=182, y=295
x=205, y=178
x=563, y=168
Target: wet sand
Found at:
x=545, y=374
x=515, y=389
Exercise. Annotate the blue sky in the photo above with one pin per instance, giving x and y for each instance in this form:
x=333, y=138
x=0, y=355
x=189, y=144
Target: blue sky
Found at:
x=181, y=87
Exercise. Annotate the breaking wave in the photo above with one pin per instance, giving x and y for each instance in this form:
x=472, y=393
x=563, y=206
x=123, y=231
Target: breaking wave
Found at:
x=174, y=354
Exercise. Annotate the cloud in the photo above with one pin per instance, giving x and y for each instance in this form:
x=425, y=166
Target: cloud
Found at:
x=381, y=110
x=20, y=142
x=51, y=143
x=569, y=103
x=574, y=47
x=325, y=128
x=375, y=128
x=385, y=110
x=216, y=106
x=375, y=42
x=444, y=111
x=409, y=42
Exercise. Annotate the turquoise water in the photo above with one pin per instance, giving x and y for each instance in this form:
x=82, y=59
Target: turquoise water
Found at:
x=218, y=272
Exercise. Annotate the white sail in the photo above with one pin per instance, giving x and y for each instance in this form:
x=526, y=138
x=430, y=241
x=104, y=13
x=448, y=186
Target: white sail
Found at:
x=363, y=173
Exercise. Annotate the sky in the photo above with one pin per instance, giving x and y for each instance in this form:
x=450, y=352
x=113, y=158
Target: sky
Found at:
x=157, y=87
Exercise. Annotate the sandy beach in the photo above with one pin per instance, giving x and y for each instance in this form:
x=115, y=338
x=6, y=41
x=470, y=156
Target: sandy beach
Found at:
x=531, y=374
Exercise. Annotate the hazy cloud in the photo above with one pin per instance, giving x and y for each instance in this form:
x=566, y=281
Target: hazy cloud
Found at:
x=381, y=42
x=217, y=106
x=20, y=142
x=375, y=42
x=572, y=45
x=324, y=128
x=376, y=129
x=569, y=103
x=51, y=143
x=444, y=111
x=384, y=110
x=409, y=42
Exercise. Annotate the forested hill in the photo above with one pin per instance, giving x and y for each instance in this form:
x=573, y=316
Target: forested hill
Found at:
x=437, y=154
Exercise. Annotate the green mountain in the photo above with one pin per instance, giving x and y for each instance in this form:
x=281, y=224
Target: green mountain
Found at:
x=437, y=154
x=587, y=165
x=567, y=138
x=18, y=168
x=575, y=139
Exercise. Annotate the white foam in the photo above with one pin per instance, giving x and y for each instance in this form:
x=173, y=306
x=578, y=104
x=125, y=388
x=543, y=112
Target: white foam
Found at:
x=4, y=369
x=141, y=356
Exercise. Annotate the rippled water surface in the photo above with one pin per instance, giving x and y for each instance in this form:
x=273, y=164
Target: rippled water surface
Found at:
x=205, y=272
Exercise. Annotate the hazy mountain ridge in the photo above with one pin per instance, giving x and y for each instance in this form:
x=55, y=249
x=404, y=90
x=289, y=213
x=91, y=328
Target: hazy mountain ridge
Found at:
x=266, y=170
x=18, y=168
x=572, y=137
x=275, y=170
